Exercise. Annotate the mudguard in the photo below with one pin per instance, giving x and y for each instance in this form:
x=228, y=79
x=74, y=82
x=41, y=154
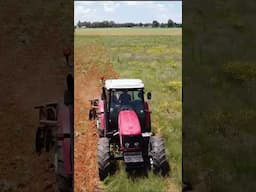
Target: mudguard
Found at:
x=101, y=114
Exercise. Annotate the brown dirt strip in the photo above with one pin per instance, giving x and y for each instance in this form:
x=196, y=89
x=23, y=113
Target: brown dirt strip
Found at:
x=87, y=86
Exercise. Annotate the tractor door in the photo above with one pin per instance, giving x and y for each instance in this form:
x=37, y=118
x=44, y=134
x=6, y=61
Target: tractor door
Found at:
x=113, y=110
x=138, y=106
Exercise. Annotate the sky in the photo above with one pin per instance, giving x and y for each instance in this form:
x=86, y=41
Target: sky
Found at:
x=128, y=11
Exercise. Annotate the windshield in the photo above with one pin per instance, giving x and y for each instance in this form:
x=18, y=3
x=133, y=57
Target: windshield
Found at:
x=130, y=98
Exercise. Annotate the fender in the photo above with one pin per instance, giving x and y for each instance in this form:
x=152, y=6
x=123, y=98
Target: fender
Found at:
x=101, y=114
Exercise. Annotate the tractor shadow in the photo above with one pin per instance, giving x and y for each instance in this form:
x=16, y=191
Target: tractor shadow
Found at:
x=135, y=173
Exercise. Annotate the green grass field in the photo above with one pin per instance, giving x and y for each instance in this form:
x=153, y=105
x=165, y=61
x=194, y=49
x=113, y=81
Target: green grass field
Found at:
x=128, y=31
x=153, y=55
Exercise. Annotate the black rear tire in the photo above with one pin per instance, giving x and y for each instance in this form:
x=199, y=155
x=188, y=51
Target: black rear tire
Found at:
x=103, y=154
x=159, y=163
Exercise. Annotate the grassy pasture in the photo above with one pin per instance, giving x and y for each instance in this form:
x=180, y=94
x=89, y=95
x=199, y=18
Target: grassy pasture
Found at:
x=153, y=55
x=128, y=31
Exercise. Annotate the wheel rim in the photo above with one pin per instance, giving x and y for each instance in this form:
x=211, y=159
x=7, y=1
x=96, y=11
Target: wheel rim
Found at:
x=151, y=163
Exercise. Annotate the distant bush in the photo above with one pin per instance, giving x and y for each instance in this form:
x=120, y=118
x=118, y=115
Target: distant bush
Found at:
x=109, y=24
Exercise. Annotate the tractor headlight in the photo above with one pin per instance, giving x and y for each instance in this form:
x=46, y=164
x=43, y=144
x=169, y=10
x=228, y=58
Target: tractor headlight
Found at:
x=127, y=145
x=136, y=144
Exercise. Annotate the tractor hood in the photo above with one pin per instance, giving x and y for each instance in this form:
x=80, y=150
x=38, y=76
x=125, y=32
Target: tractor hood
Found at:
x=128, y=123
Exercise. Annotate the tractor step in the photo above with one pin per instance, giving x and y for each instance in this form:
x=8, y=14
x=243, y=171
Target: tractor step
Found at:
x=133, y=157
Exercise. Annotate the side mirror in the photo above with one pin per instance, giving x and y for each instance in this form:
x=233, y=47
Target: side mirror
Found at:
x=149, y=95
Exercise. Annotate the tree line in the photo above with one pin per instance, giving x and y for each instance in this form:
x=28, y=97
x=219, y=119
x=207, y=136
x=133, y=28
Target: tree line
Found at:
x=104, y=24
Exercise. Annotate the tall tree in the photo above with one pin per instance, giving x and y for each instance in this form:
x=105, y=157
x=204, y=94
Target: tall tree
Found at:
x=79, y=24
x=170, y=23
x=155, y=23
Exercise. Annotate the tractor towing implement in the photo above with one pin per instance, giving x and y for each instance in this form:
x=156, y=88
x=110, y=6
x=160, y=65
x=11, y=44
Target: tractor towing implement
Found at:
x=124, y=128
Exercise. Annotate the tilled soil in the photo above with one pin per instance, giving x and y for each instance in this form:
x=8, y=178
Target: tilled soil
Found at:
x=87, y=86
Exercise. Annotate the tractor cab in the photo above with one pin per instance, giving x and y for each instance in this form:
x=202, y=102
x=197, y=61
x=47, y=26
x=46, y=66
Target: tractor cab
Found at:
x=124, y=95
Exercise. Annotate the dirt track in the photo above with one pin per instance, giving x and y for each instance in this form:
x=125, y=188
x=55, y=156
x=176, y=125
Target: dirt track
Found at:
x=87, y=86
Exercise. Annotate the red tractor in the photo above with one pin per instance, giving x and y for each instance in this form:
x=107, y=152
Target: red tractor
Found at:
x=124, y=127
x=56, y=129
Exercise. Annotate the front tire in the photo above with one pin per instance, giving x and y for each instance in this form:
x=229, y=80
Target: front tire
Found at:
x=157, y=157
x=103, y=157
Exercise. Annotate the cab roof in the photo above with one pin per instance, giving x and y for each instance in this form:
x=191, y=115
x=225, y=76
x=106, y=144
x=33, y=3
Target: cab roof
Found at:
x=123, y=83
